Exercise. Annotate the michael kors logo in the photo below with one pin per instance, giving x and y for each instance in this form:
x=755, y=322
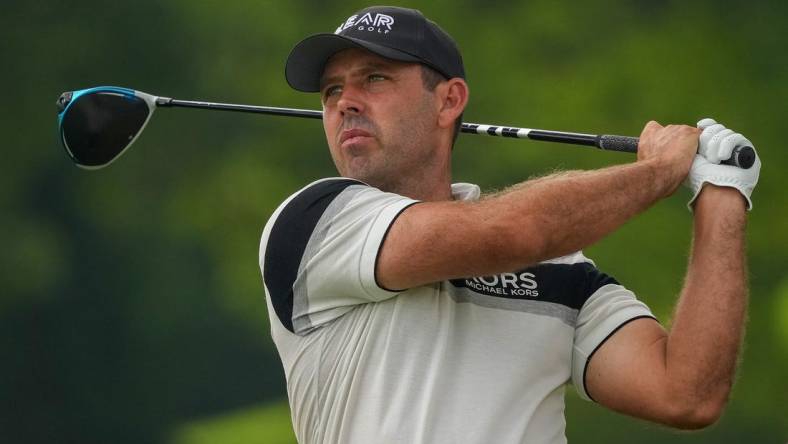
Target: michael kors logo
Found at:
x=504, y=284
x=380, y=23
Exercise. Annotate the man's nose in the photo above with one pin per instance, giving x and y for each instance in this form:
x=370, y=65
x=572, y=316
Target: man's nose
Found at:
x=351, y=101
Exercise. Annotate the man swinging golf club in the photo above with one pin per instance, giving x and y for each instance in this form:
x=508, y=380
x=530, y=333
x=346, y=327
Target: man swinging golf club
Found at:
x=407, y=309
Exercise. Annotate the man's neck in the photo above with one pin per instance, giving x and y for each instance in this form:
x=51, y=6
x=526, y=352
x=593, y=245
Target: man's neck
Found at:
x=427, y=185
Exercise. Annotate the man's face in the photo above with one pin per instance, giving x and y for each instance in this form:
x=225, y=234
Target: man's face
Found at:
x=380, y=121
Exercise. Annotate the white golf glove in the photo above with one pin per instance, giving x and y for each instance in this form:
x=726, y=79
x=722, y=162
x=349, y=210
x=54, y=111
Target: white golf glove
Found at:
x=716, y=144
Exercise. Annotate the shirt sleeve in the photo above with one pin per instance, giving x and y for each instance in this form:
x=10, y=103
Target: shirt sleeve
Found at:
x=319, y=249
x=608, y=309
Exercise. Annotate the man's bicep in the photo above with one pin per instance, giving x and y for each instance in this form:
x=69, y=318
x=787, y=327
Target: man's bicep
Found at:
x=435, y=241
x=403, y=260
x=626, y=373
x=610, y=309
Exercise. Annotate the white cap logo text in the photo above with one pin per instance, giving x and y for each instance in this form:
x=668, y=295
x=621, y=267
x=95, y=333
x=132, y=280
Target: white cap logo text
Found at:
x=380, y=23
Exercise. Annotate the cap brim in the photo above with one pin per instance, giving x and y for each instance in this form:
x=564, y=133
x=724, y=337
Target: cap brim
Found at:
x=308, y=58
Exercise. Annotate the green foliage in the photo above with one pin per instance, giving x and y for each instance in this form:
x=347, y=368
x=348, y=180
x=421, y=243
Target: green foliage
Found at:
x=268, y=424
x=780, y=320
x=131, y=297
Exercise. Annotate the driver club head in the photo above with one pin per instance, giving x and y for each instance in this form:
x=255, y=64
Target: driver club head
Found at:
x=97, y=125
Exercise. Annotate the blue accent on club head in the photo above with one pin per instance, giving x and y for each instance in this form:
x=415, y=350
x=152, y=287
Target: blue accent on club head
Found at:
x=76, y=94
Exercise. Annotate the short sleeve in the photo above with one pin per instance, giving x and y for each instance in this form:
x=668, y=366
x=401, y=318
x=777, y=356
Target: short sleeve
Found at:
x=608, y=309
x=319, y=249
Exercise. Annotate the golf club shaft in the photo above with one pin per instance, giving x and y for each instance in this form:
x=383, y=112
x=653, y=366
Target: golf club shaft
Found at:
x=620, y=143
x=270, y=110
x=741, y=157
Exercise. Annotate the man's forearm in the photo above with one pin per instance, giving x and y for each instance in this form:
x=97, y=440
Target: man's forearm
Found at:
x=708, y=323
x=565, y=212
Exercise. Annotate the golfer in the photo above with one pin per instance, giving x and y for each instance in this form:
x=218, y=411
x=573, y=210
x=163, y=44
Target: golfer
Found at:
x=410, y=309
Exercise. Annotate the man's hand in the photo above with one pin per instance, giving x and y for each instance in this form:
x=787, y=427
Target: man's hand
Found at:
x=673, y=147
x=716, y=144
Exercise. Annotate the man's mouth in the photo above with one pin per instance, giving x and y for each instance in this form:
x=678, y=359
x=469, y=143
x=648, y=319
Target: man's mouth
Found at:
x=350, y=136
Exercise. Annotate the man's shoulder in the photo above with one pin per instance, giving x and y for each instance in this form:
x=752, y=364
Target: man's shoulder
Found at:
x=327, y=202
x=321, y=188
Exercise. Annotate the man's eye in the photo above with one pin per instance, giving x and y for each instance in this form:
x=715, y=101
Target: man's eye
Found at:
x=376, y=77
x=332, y=91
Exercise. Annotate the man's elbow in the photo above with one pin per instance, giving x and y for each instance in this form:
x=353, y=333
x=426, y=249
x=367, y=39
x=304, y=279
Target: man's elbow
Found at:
x=695, y=415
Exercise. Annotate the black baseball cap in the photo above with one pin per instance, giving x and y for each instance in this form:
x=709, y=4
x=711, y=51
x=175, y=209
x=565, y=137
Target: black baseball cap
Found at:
x=391, y=32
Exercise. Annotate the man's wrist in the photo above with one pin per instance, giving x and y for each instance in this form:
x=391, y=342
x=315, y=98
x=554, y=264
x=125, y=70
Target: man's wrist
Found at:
x=720, y=198
x=664, y=175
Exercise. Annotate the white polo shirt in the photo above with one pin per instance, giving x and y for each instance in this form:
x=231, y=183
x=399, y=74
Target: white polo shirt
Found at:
x=476, y=360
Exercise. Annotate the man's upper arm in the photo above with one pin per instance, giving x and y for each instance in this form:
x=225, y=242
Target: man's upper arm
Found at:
x=437, y=241
x=608, y=316
x=627, y=373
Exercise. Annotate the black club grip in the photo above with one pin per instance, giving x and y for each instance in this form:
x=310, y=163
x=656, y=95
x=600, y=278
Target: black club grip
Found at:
x=618, y=143
x=742, y=156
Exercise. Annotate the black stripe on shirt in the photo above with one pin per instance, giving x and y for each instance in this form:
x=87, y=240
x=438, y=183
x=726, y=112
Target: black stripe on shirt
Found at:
x=567, y=284
x=288, y=240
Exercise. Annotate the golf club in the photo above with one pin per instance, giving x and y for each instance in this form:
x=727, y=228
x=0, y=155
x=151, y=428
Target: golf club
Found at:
x=97, y=125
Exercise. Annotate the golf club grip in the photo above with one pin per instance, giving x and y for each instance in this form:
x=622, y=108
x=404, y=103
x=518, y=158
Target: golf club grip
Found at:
x=742, y=156
x=618, y=143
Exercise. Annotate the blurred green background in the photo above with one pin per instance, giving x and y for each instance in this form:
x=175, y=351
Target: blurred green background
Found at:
x=132, y=308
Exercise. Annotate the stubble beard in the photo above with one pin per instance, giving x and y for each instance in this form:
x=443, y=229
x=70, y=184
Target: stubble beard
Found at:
x=403, y=159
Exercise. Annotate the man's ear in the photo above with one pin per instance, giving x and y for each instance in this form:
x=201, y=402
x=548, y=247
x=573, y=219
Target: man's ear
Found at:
x=453, y=95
